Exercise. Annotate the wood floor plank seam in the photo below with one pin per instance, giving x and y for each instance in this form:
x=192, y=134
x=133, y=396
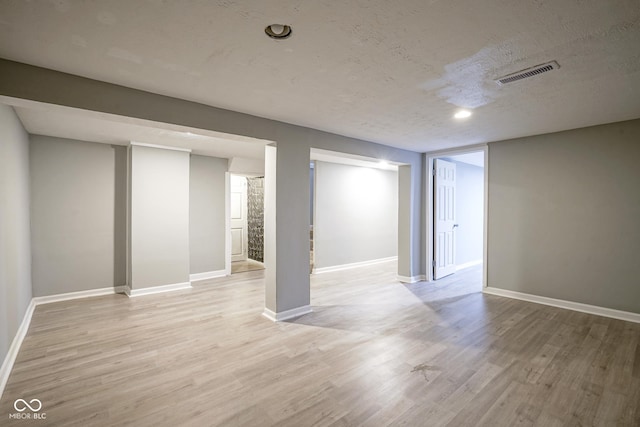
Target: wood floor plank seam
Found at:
x=373, y=352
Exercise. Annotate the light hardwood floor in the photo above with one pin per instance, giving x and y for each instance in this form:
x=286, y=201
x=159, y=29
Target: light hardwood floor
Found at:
x=374, y=352
x=247, y=265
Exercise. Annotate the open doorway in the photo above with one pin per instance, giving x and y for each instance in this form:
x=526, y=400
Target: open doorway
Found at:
x=246, y=223
x=354, y=212
x=457, y=215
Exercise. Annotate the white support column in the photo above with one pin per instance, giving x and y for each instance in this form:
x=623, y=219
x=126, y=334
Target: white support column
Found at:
x=405, y=272
x=158, y=210
x=287, y=231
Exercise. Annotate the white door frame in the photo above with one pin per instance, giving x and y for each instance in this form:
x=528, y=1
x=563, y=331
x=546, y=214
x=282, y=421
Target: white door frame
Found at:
x=444, y=204
x=227, y=223
x=429, y=238
x=244, y=208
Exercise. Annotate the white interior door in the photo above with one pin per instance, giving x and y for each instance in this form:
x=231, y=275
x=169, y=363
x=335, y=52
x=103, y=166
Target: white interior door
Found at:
x=444, y=182
x=238, y=217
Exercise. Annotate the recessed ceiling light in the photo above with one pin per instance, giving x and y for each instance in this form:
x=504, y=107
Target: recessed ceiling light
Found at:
x=462, y=114
x=278, y=31
x=383, y=163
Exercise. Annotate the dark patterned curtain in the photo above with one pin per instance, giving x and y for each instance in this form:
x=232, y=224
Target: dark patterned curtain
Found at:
x=255, y=217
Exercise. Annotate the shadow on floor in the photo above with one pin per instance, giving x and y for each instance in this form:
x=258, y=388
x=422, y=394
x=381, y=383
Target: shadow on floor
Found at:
x=447, y=301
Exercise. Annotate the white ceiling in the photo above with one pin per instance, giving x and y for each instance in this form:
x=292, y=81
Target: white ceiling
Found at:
x=390, y=72
x=63, y=122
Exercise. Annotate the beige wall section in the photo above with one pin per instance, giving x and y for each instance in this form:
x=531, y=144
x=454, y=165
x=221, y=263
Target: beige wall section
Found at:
x=356, y=214
x=72, y=215
x=159, y=217
x=207, y=228
x=15, y=241
x=564, y=212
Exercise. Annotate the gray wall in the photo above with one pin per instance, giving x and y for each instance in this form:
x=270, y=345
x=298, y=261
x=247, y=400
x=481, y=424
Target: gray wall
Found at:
x=270, y=223
x=120, y=216
x=72, y=215
x=469, y=212
x=356, y=214
x=312, y=196
x=15, y=242
x=289, y=285
x=207, y=214
x=159, y=217
x=564, y=212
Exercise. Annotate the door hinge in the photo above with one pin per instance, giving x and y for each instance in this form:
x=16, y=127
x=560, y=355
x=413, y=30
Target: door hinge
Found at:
x=433, y=263
x=433, y=172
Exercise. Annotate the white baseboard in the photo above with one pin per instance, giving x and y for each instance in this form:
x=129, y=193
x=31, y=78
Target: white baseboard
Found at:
x=569, y=305
x=286, y=315
x=14, y=348
x=412, y=279
x=195, y=277
x=10, y=358
x=80, y=294
x=468, y=264
x=352, y=265
x=157, y=289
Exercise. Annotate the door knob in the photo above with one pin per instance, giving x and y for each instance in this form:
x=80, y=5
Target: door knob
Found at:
x=456, y=225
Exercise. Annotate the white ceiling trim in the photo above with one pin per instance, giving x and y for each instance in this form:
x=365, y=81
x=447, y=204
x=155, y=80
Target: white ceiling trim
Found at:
x=91, y=126
x=162, y=147
x=351, y=159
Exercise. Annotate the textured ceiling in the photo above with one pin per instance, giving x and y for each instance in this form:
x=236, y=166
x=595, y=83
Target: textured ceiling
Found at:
x=390, y=72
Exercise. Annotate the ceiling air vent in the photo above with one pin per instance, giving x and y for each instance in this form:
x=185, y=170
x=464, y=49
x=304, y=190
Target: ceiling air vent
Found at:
x=527, y=72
